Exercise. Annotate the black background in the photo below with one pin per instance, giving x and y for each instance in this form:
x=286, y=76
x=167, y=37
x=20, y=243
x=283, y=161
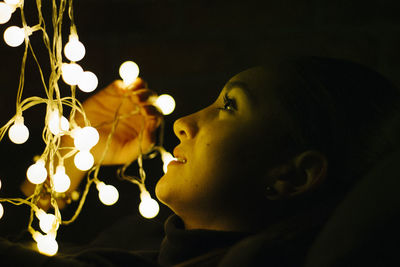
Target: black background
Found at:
x=188, y=49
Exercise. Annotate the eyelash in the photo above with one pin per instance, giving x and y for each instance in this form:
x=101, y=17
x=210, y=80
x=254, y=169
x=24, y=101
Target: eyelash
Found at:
x=229, y=103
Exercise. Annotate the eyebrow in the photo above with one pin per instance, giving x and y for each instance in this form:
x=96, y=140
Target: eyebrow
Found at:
x=240, y=85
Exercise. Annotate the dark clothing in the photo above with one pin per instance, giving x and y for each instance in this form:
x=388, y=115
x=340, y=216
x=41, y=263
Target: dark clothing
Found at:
x=179, y=247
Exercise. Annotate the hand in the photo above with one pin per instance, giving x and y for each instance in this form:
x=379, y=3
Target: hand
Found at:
x=136, y=113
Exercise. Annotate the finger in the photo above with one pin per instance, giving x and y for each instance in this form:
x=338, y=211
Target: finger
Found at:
x=143, y=96
x=151, y=111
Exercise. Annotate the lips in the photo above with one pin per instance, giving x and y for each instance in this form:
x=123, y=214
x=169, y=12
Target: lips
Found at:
x=179, y=157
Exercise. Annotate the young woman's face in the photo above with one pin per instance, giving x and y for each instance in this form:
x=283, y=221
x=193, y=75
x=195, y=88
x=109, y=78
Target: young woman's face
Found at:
x=223, y=152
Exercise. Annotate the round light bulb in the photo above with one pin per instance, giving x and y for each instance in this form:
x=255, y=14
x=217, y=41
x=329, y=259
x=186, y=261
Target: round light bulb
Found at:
x=88, y=82
x=71, y=73
x=61, y=180
x=13, y=2
x=46, y=244
x=129, y=71
x=14, y=36
x=47, y=221
x=56, y=125
x=37, y=173
x=1, y=211
x=148, y=207
x=108, y=194
x=85, y=138
x=165, y=103
x=18, y=133
x=84, y=160
x=74, y=50
x=0, y=184
x=166, y=158
x=5, y=13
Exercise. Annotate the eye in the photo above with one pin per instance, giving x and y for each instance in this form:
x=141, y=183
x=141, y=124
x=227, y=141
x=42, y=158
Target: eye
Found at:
x=229, y=103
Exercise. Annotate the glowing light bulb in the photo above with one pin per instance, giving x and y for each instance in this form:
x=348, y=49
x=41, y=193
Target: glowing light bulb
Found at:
x=148, y=207
x=166, y=158
x=61, y=180
x=71, y=73
x=0, y=184
x=165, y=103
x=1, y=211
x=84, y=160
x=5, y=13
x=108, y=194
x=88, y=82
x=129, y=71
x=74, y=50
x=85, y=138
x=14, y=36
x=47, y=221
x=46, y=244
x=57, y=125
x=18, y=133
x=13, y=2
x=37, y=173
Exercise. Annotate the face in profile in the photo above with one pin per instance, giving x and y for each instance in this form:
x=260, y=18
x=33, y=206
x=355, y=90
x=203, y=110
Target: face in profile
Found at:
x=224, y=152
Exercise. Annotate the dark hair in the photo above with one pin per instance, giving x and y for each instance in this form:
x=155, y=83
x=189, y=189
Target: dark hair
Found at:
x=345, y=110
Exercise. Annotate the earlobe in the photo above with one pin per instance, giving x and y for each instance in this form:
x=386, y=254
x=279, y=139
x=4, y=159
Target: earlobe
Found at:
x=303, y=174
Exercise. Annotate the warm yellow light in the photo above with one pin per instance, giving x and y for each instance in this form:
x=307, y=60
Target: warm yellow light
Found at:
x=46, y=244
x=84, y=160
x=56, y=125
x=37, y=172
x=71, y=73
x=14, y=36
x=5, y=13
x=88, y=82
x=18, y=133
x=166, y=158
x=148, y=207
x=47, y=221
x=13, y=2
x=129, y=71
x=1, y=211
x=165, y=103
x=108, y=194
x=74, y=50
x=85, y=138
x=61, y=180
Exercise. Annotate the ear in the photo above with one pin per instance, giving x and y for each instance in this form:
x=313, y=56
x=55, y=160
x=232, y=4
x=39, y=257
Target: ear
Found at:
x=304, y=173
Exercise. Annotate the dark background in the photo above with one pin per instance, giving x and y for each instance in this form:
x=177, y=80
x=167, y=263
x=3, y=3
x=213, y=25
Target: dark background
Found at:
x=188, y=49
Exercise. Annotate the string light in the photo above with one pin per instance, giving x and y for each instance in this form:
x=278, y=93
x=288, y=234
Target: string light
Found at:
x=58, y=124
x=1, y=211
x=14, y=36
x=166, y=104
x=18, y=133
x=88, y=82
x=129, y=71
x=166, y=158
x=71, y=73
x=148, y=207
x=46, y=244
x=13, y=2
x=61, y=180
x=47, y=221
x=108, y=194
x=84, y=160
x=74, y=50
x=5, y=12
x=85, y=138
x=37, y=172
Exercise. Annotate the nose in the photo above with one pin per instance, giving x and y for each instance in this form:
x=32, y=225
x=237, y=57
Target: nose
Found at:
x=186, y=127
